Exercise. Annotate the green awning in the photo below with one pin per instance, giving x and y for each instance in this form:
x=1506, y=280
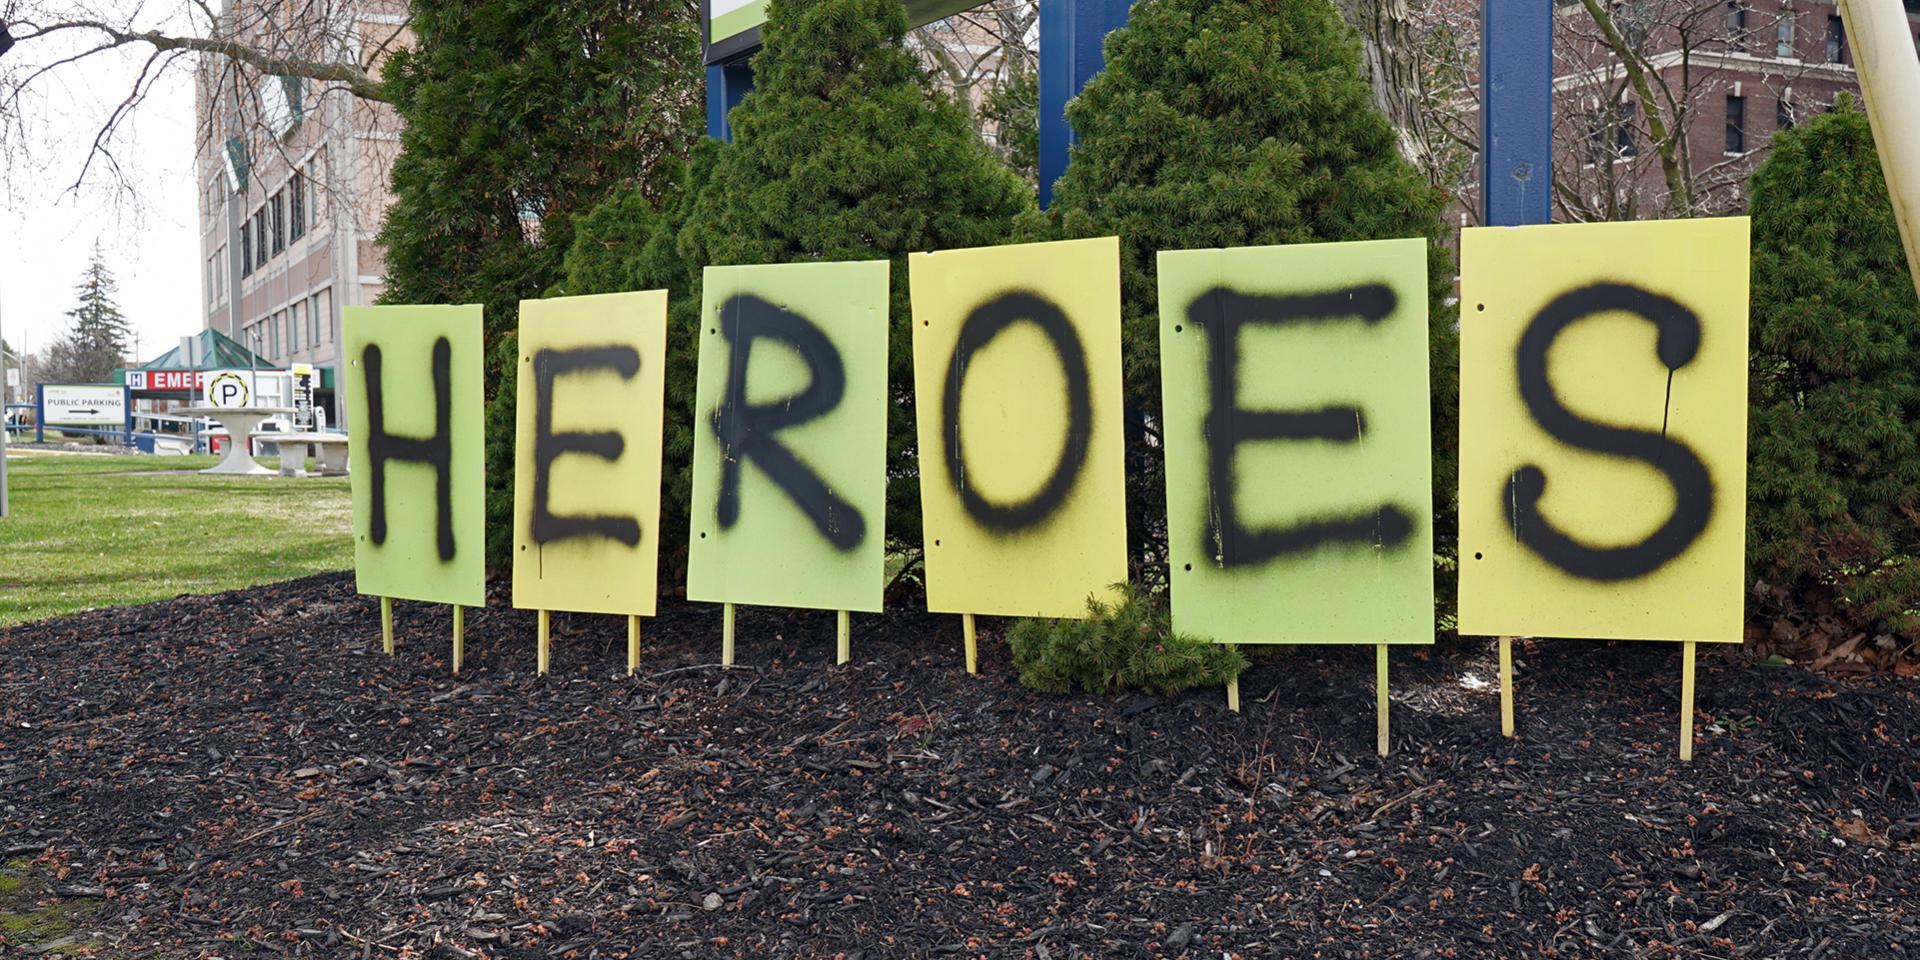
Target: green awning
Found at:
x=217, y=352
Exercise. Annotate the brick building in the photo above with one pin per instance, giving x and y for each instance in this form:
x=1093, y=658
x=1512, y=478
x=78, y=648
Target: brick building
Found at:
x=293, y=181
x=1731, y=73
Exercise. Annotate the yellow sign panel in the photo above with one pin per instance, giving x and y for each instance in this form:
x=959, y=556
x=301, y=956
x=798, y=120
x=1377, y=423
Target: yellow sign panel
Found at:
x=1603, y=430
x=586, y=489
x=1016, y=362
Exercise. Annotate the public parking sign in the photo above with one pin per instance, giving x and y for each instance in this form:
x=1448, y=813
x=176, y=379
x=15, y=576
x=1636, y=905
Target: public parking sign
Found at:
x=83, y=405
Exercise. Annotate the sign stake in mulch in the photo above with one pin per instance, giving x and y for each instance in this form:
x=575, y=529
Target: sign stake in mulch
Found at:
x=1233, y=686
x=459, y=637
x=846, y=638
x=386, y=625
x=973, y=647
x=546, y=637
x=1380, y=692
x=1686, y=701
x=726, y=635
x=633, y=644
x=1506, y=686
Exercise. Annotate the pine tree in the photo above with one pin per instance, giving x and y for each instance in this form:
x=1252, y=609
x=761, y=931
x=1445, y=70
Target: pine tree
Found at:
x=1221, y=123
x=1834, y=482
x=97, y=344
x=843, y=151
x=521, y=115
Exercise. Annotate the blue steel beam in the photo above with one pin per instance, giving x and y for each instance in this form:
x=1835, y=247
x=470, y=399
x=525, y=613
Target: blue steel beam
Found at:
x=727, y=84
x=1516, y=112
x=1071, y=35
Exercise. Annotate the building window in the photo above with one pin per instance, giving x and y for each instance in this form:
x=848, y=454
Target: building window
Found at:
x=1783, y=36
x=260, y=237
x=1736, y=27
x=279, y=207
x=297, y=206
x=1623, y=140
x=1736, y=124
x=1783, y=113
x=1836, y=41
x=246, y=249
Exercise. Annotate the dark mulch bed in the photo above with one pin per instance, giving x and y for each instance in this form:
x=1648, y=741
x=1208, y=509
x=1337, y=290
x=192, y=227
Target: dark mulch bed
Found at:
x=247, y=772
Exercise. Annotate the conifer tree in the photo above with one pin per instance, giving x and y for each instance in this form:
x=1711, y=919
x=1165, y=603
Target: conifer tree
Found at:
x=843, y=151
x=521, y=115
x=1834, y=481
x=1220, y=123
x=96, y=345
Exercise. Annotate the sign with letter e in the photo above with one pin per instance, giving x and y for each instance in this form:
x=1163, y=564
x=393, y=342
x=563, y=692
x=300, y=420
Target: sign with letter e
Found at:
x=1016, y=363
x=790, y=437
x=1298, y=442
x=416, y=437
x=586, y=479
x=1603, y=430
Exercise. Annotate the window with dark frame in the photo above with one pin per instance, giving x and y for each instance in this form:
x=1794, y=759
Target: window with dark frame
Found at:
x=260, y=237
x=1624, y=145
x=1736, y=124
x=1736, y=27
x=1836, y=41
x=1783, y=113
x=246, y=249
x=279, y=206
x=297, y=206
x=1783, y=36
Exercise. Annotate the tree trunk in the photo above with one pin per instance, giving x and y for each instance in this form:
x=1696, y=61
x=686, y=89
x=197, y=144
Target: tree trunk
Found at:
x=1391, y=58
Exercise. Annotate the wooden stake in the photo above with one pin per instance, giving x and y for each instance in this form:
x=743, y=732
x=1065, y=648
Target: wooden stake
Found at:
x=1380, y=692
x=459, y=637
x=633, y=644
x=846, y=638
x=973, y=650
x=546, y=638
x=1506, y=686
x=386, y=625
x=1686, y=702
x=726, y=637
x=1233, y=687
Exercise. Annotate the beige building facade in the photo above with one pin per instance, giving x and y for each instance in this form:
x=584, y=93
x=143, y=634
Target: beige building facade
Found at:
x=293, y=179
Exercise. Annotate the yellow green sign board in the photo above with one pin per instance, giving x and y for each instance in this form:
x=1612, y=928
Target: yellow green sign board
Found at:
x=790, y=437
x=591, y=400
x=1016, y=357
x=1296, y=423
x=416, y=439
x=1603, y=430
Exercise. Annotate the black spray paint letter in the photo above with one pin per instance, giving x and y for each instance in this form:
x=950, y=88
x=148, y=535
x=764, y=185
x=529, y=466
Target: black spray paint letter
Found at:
x=746, y=430
x=1223, y=313
x=986, y=322
x=1677, y=344
x=435, y=451
x=548, y=446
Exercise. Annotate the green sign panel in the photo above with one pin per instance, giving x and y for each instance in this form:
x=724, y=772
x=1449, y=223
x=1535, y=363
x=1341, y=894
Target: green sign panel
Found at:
x=790, y=437
x=416, y=438
x=1297, y=428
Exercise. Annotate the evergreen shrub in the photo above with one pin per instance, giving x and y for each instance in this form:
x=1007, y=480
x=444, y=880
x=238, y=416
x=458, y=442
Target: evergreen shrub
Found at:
x=1127, y=643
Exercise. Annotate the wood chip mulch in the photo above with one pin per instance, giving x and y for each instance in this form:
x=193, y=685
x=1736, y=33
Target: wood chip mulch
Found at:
x=247, y=775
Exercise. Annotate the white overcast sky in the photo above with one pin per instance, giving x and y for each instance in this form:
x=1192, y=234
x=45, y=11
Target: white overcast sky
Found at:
x=150, y=241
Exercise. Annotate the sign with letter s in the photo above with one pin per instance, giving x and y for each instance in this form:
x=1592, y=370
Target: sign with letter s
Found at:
x=1603, y=430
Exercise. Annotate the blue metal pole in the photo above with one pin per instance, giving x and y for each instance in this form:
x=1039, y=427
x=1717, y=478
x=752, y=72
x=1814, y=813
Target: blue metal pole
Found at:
x=727, y=85
x=1071, y=36
x=40, y=414
x=1516, y=112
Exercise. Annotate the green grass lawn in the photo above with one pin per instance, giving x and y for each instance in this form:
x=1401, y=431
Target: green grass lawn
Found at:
x=101, y=530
